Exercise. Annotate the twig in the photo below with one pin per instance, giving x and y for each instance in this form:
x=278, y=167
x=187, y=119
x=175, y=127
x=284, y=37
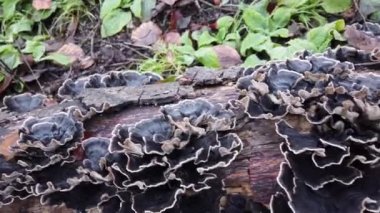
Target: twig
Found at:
x=361, y=15
x=31, y=70
x=368, y=63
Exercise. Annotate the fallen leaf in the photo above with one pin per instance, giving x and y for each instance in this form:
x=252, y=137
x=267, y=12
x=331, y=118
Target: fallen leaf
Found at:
x=227, y=56
x=172, y=38
x=73, y=51
x=360, y=39
x=41, y=4
x=4, y=84
x=86, y=62
x=146, y=34
x=6, y=143
x=76, y=54
x=169, y=2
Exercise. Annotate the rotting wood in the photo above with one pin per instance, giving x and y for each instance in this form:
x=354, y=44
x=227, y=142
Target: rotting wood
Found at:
x=253, y=173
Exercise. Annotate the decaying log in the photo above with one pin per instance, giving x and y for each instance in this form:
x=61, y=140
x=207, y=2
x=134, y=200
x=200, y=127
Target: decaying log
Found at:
x=253, y=173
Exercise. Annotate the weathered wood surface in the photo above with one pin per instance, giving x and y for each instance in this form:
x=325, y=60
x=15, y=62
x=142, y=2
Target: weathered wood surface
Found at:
x=253, y=173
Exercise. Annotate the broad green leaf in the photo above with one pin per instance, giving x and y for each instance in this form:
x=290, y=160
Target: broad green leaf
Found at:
x=114, y=22
x=338, y=36
x=185, y=39
x=10, y=56
x=2, y=76
x=147, y=9
x=58, y=58
x=186, y=50
x=234, y=36
x=9, y=8
x=279, y=53
x=281, y=17
x=292, y=3
x=108, y=6
x=221, y=34
x=297, y=45
x=225, y=22
x=208, y=57
x=254, y=20
x=253, y=61
x=23, y=25
x=36, y=48
x=252, y=41
x=205, y=39
x=136, y=8
x=282, y=32
x=261, y=7
x=323, y=35
x=186, y=59
x=336, y=6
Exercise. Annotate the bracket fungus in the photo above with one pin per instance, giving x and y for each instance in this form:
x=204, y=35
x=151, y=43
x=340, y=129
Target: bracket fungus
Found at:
x=160, y=164
x=331, y=163
x=72, y=88
x=25, y=102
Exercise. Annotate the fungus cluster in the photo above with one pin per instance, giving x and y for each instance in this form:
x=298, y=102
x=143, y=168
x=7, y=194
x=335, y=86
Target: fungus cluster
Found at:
x=161, y=164
x=25, y=102
x=332, y=166
x=71, y=88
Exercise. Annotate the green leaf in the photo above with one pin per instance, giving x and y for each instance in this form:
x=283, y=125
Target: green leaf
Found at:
x=336, y=6
x=253, y=61
x=10, y=56
x=261, y=7
x=225, y=22
x=253, y=41
x=221, y=34
x=282, y=32
x=205, y=39
x=108, y=6
x=208, y=57
x=147, y=9
x=254, y=20
x=9, y=8
x=279, y=53
x=186, y=50
x=36, y=48
x=58, y=58
x=281, y=17
x=114, y=22
x=297, y=45
x=292, y=3
x=185, y=39
x=23, y=25
x=323, y=35
x=136, y=8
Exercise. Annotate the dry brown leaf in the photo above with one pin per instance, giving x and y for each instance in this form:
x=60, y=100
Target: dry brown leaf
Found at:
x=76, y=53
x=169, y=2
x=6, y=143
x=361, y=40
x=146, y=34
x=41, y=4
x=4, y=84
x=172, y=38
x=227, y=56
